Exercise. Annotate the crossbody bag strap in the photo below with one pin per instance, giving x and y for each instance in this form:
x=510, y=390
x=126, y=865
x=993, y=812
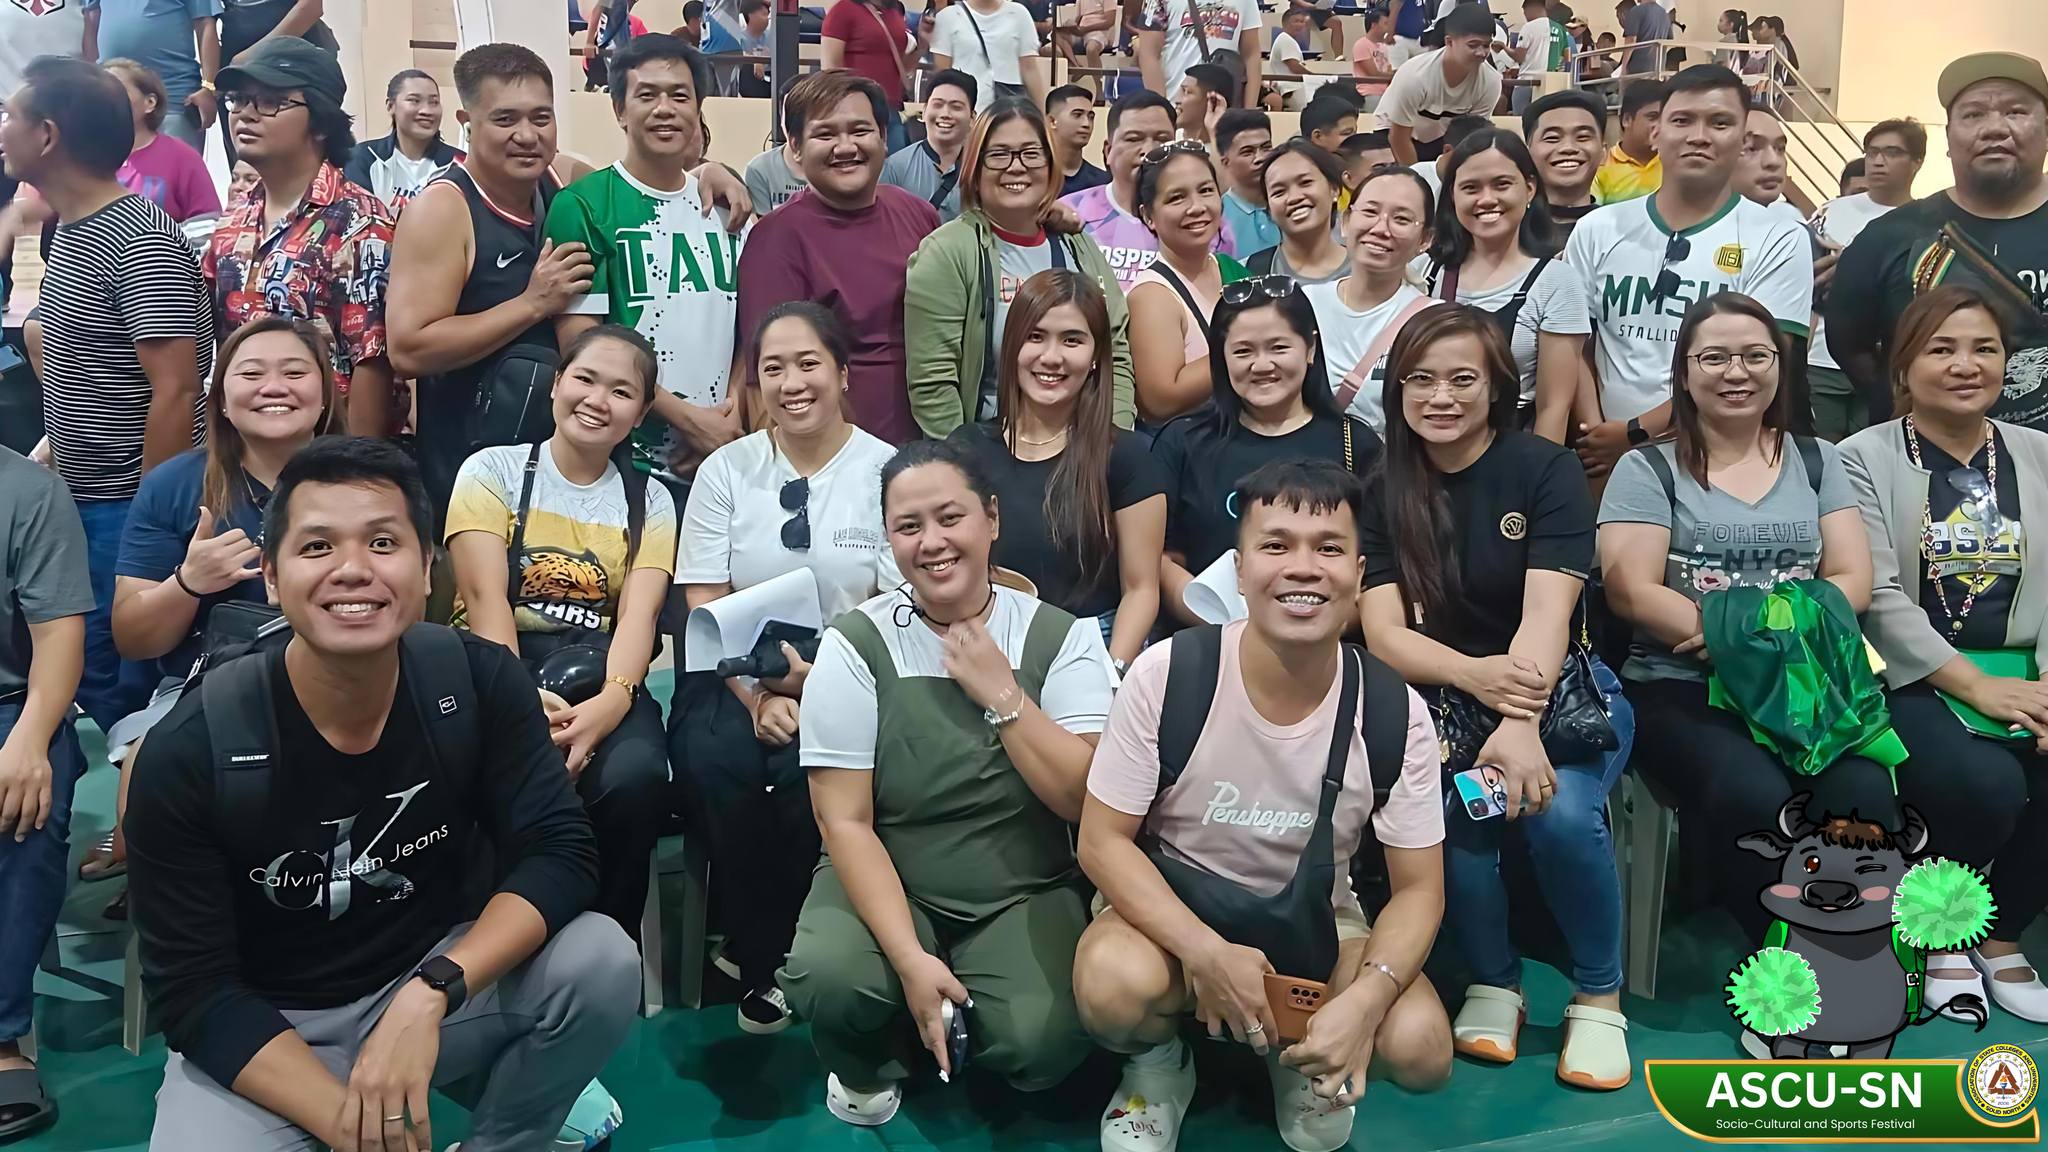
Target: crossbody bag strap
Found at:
x=1347, y=389
x=976, y=25
x=889, y=35
x=1201, y=33
x=515, y=572
x=1385, y=727
x=1187, y=295
x=1338, y=759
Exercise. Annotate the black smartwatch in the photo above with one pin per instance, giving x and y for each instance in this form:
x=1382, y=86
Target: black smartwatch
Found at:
x=445, y=976
x=1636, y=434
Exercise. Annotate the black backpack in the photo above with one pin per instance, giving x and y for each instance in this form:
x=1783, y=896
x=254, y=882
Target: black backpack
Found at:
x=241, y=721
x=1193, y=667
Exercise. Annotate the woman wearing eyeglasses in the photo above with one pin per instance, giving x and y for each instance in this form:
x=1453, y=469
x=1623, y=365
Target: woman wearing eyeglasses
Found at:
x=1086, y=500
x=1747, y=504
x=1180, y=199
x=1270, y=400
x=1301, y=183
x=1497, y=251
x=1390, y=223
x=948, y=749
x=803, y=493
x=1954, y=505
x=1477, y=540
x=565, y=543
x=963, y=276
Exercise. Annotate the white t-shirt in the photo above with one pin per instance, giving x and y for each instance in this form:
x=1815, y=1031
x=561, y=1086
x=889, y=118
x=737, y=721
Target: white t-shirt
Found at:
x=732, y=525
x=1534, y=38
x=1618, y=252
x=1419, y=99
x=1009, y=33
x=1838, y=222
x=1222, y=21
x=839, y=696
x=1284, y=49
x=1556, y=304
x=37, y=28
x=1348, y=336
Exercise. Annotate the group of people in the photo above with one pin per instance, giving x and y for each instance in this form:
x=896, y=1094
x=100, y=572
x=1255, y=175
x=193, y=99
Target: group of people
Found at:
x=1204, y=544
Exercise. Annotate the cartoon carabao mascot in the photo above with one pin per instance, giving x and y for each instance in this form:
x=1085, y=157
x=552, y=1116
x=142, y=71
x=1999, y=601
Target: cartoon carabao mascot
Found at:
x=1854, y=913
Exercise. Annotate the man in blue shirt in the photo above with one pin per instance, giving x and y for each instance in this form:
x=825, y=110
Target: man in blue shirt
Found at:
x=179, y=41
x=1411, y=19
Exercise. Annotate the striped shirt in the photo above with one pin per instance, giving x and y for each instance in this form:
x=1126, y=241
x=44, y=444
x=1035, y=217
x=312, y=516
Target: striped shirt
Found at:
x=123, y=274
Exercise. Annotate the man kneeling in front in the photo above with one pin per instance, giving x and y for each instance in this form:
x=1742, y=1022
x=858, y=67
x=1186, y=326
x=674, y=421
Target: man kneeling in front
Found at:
x=1225, y=802
x=302, y=834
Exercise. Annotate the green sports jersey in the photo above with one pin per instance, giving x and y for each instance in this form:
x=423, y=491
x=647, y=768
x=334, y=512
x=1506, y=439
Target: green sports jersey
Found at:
x=664, y=269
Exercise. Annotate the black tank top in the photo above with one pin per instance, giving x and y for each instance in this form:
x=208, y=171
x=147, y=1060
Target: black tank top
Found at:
x=504, y=253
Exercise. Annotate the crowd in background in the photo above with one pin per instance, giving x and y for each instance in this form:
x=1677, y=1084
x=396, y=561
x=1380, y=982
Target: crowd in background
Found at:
x=1195, y=553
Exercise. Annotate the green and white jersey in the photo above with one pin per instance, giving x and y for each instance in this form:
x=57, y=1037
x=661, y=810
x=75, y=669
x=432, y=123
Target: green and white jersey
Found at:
x=664, y=269
x=1619, y=252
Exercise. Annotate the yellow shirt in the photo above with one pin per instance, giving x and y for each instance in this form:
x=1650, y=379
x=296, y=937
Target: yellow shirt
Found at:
x=1621, y=178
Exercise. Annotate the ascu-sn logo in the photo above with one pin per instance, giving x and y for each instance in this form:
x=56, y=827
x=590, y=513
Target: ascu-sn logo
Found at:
x=39, y=7
x=1514, y=526
x=2003, y=1080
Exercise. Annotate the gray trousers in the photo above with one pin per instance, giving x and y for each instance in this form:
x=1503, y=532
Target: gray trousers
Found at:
x=529, y=1044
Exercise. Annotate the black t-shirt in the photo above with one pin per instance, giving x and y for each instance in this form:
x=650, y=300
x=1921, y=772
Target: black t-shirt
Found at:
x=244, y=22
x=1964, y=554
x=1522, y=505
x=1085, y=177
x=1874, y=284
x=360, y=864
x=1203, y=467
x=1026, y=544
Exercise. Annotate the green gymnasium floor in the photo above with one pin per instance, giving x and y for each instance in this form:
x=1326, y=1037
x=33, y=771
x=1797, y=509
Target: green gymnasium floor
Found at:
x=693, y=1081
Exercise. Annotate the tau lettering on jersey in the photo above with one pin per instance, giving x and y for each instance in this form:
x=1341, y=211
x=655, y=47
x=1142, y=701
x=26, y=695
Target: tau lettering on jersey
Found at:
x=650, y=273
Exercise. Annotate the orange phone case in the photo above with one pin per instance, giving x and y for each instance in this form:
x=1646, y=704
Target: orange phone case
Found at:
x=1293, y=1001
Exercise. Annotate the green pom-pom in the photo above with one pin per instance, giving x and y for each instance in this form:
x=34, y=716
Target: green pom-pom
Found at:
x=1774, y=993
x=1943, y=906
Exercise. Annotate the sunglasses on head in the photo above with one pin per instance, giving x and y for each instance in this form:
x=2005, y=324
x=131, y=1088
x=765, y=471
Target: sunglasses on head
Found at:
x=1668, y=280
x=1172, y=148
x=1273, y=287
x=796, y=498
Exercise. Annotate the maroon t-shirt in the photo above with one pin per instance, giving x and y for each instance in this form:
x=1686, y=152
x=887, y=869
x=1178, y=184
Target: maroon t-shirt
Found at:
x=868, y=52
x=852, y=263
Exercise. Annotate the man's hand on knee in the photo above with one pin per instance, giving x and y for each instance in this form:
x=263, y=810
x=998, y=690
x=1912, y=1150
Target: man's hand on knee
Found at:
x=386, y=1108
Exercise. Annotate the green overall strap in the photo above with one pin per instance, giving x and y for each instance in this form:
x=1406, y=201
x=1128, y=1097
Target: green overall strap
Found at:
x=1914, y=961
x=860, y=631
x=1043, y=639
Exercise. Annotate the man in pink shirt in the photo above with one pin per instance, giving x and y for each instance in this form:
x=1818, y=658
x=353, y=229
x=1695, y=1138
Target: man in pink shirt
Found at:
x=1139, y=121
x=1369, y=60
x=1221, y=842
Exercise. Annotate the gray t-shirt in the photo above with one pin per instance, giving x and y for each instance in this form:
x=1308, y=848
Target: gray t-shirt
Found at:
x=1556, y=304
x=915, y=169
x=771, y=181
x=42, y=561
x=1721, y=542
x=1015, y=263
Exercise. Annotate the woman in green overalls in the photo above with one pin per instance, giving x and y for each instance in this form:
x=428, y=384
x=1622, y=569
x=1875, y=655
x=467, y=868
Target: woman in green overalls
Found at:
x=948, y=726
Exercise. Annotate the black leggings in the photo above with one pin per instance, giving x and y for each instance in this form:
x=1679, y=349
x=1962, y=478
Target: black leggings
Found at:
x=752, y=804
x=1975, y=795
x=1725, y=785
x=625, y=792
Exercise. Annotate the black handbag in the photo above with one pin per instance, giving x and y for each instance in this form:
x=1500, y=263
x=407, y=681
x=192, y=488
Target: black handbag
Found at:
x=515, y=398
x=1575, y=727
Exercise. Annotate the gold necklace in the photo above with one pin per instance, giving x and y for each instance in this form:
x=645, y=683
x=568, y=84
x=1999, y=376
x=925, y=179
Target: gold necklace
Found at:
x=1053, y=439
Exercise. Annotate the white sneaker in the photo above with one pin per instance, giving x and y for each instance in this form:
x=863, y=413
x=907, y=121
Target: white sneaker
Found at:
x=865, y=1109
x=1963, y=978
x=1307, y=1122
x=1150, y=1103
x=2027, y=999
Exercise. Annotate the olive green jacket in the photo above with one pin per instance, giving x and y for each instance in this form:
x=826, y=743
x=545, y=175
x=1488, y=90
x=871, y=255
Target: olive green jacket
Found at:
x=946, y=310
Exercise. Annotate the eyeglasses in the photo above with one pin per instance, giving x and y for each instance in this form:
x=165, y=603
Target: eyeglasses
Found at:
x=1890, y=153
x=1668, y=280
x=1273, y=287
x=1172, y=148
x=265, y=104
x=1719, y=360
x=1461, y=387
x=796, y=498
x=1001, y=159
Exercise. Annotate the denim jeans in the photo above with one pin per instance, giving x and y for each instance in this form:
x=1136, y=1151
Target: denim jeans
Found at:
x=32, y=879
x=1572, y=849
x=111, y=687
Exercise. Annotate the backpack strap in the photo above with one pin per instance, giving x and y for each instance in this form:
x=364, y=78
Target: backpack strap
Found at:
x=515, y=541
x=1809, y=455
x=1386, y=725
x=443, y=692
x=1193, y=665
x=1665, y=475
x=241, y=728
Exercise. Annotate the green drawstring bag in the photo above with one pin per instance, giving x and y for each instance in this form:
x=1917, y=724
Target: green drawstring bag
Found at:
x=1790, y=660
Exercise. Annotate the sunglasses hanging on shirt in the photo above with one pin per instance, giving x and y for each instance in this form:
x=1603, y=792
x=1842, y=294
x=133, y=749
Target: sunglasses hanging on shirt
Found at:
x=796, y=499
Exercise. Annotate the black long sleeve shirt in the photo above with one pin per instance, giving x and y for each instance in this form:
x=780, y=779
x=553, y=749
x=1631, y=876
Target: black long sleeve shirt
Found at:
x=359, y=865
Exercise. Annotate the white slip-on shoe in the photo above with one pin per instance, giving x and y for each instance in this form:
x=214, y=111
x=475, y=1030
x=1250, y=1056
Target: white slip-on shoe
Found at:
x=865, y=1109
x=1149, y=1105
x=1307, y=1122
x=1490, y=1024
x=2026, y=999
x=1959, y=977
